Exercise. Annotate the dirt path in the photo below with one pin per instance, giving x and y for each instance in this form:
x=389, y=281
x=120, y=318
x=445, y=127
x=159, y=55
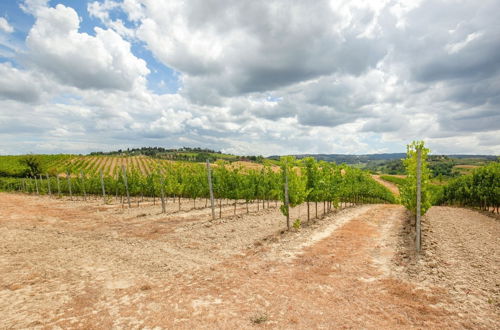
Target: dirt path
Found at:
x=391, y=186
x=79, y=265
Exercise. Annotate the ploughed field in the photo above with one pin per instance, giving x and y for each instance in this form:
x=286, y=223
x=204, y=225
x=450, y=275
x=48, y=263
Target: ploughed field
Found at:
x=82, y=264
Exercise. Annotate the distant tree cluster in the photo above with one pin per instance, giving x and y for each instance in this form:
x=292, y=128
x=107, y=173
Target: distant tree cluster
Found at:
x=152, y=151
x=189, y=154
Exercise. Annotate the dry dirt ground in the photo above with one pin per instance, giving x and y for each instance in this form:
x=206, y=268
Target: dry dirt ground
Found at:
x=84, y=265
x=389, y=185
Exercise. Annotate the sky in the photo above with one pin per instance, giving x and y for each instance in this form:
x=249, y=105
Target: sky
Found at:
x=256, y=77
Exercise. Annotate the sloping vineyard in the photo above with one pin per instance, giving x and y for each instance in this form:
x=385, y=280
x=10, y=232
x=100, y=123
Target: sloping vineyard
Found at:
x=13, y=166
x=307, y=181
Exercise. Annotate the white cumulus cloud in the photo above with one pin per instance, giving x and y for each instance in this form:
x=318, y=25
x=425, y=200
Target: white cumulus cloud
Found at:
x=103, y=61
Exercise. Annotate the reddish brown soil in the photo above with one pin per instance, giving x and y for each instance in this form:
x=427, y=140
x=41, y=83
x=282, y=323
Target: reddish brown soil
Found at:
x=84, y=265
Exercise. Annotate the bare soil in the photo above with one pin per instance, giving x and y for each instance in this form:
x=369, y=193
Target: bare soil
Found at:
x=389, y=185
x=76, y=264
x=461, y=254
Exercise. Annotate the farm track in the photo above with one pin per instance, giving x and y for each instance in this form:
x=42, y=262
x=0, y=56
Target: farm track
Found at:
x=87, y=265
x=389, y=185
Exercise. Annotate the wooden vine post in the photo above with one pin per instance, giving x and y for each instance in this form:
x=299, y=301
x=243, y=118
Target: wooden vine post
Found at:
x=124, y=172
x=48, y=184
x=69, y=185
x=102, y=186
x=419, y=193
x=162, y=192
x=36, y=185
x=82, y=178
x=211, y=189
x=58, y=186
x=41, y=183
x=287, y=202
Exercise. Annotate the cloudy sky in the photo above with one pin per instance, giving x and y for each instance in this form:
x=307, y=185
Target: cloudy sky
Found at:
x=250, y=77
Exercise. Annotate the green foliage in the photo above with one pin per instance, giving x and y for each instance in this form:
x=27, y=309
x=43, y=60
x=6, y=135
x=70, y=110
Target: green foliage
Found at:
x=33, y=164
x=307, y=180
x=442, y=168
x=408, y=190
x=10, y=184
x=296, y=183
x=19, y=166
x=479, y=189
x=297, y=224
x=395, y=166
x=394, y=179
x=359, y=187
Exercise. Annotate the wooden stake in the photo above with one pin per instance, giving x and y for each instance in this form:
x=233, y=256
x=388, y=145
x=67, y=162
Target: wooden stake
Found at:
x=124, y=171
x=211, y=189
x=162, y=182
x=82, y=178
x=419, y=192
x=287, y=201
x=58, y=186
x=69, y=185
x=36, y=185
x=48, y=183
x=102, y=186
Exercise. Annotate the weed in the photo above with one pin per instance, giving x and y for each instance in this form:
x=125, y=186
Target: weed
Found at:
x=145, y=287
x=259, y=318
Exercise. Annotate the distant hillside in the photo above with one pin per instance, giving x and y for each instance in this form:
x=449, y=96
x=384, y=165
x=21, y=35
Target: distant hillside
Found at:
x=357, y=159
x=391, y=163
x=349, y=159
x=183, y=154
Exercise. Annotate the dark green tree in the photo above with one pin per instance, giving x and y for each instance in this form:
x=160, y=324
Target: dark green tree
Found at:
x=33, y=164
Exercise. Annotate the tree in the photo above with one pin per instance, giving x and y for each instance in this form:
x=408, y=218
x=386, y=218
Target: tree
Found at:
x=33, y=163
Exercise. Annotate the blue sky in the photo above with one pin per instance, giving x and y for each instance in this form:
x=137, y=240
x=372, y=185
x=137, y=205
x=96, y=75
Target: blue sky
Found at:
x=260, y=77
x=162, y=79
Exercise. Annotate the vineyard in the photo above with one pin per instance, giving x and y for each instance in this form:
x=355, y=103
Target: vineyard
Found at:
x=90, y=165
x=113, y=241
x=307, y=181
x=480, y=189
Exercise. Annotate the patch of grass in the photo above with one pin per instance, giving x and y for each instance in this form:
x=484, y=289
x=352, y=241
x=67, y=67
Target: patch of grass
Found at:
x=394, y=179
x=259, y=318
